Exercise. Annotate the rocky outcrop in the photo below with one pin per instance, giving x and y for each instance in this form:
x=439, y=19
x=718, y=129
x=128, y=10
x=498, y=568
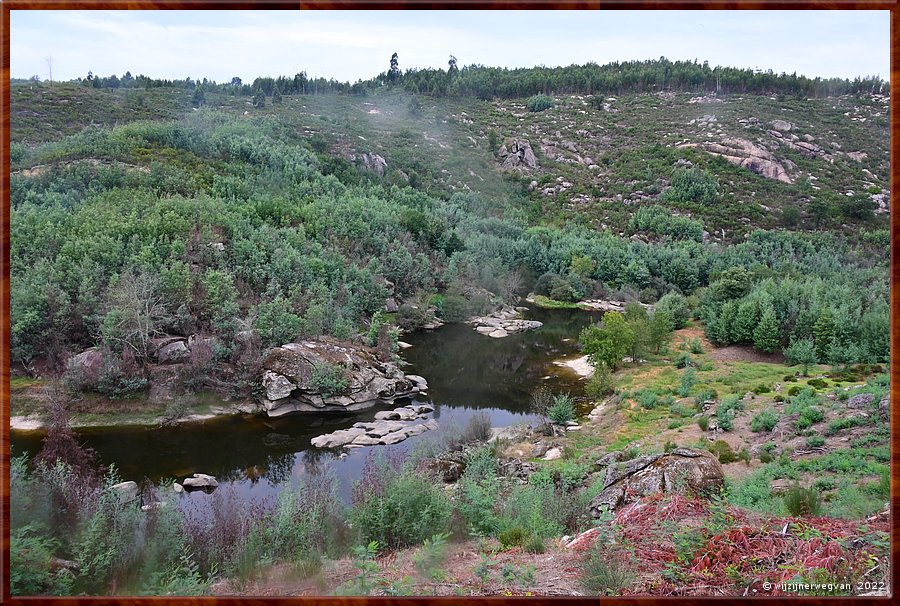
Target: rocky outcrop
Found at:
x=88, y=363
x=747, y=155
x=503, y=322
x=287, y=377
x=372, y=163
x=682, y=470
x=174, y=352
x=381, y=432
x=518, y=156
x=601, y=305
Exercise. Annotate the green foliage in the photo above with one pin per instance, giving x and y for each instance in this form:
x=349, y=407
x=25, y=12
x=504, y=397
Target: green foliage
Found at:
x=276, y=322
x=400, y=509
x=766, y=335
x=688, y=380
x=430, y=558
x=601, y=383
x=684, y=360
x=30, y=569
x=660, y=221
x=539, y=103
x=764, y=421
x=801, y=352
x=328, y=379
x=608, y=342
x=604, y=575
x=723, y=452
x=562, y=410
x=703, y=423
x=815, y=441
x=676, y=306
x=801, y=501
x=692, y=186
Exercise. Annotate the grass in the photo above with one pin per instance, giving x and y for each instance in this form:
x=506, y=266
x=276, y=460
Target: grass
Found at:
x=548, y=303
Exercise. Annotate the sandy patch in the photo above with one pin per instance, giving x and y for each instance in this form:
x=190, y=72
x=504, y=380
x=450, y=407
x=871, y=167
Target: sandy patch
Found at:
x=579, y=366
x=25, y=423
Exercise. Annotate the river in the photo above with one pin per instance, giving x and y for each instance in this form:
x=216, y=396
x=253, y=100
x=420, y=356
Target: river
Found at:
x=256, y=456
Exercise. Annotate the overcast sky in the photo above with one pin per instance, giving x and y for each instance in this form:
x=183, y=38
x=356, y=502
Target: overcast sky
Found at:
x=351, y=45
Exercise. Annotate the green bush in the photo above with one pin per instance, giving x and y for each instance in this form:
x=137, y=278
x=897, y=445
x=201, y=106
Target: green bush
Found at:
x=764, y=421
x=703, y=423
x=328, y=379
x=818, y=383
x=562, y=410
x=692, y=186
x=683, y=361
x=815, y=441
x=688, y=380
x=602, y=574
x=647, y=398
x=398, y=508
x=30, y=572
x=801, y=501
x=794, y=390
x=723, y=452
x=761, y=389
x=601, y=382
x=539, y=103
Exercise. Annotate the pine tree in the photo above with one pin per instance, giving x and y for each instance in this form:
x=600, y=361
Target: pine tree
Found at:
x=276, y=95
x=766, y=336
x=823, y=333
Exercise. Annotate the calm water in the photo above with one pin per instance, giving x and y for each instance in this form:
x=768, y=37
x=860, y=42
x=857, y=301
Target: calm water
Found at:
x=467, y=372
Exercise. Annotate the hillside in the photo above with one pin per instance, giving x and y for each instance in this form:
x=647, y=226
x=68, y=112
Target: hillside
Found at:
x=225, y=223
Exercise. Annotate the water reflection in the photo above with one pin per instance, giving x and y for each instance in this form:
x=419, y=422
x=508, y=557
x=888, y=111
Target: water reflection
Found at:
x=466, y=372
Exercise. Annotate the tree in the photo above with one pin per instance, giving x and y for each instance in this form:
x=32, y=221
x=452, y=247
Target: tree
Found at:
x=639, y=322
x=276, y=95
x=676, y=306
x=135, y=312
x=394, y=72
x=660, y=330
x=608, y=342
x=801, y=351
x=259, y=100
x=452, y=70
x=766, y=335
x=199, y=97
x=276, y=322
x=823, y=333
x=236, y=82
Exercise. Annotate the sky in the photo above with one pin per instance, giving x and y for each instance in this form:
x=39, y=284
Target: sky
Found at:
x=352, y=45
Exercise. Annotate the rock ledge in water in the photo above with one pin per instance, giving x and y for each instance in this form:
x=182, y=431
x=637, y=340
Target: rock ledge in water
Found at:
x=503, y=322
x=389, y=427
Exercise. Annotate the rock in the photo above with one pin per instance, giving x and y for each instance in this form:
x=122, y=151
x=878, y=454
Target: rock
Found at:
x=519, y=156
x=153, y=506
x=338, y=438
x=552, y=455
x=403, y=345
x=173, y=352
x=860, y=400
x=370, y=382
x=498, y=333
x=379, y=432
x=782, y=125
x=539, y=449
x=513, y=433
x=201, y=481
x=449, y=466
x=178, y=488
x=277, y=386
x=681, y=470
x=516, y=468
x=747, y=155
x=781, y=485
x=857, y=155
x=127, y=491
x=88, y=363
x=884, y=408
x=609, y=459
x=372, y=163
x=390, y=305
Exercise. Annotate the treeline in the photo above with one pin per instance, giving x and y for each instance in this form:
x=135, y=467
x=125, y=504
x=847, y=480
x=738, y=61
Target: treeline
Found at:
x=489, y=82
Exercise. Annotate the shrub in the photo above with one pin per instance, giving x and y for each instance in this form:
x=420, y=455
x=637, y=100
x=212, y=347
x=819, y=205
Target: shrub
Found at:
x=328, y=379
x=562, y=410
x=683, y=361
x=539, y=103
x=692, y=185
x=764, y=421
x=601, y=382
x=801, y=501
x=30, y=572
x=695, y=346
x=818, y=383
x=723, y=452
x=779, y=398
x=794, y=390
x=815, y=441
x=669, y=446
x=725, y=417
x=703, y=423
x=602, y=574
x=676, y=306
x=761, y=389
x=688, y=380
x=647, y=398
x=766, y=457
x=744, y=455
x=478, y=428
x=397, y=508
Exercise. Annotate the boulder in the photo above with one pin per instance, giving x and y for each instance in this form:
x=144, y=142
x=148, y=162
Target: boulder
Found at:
x=552, y=455
x=782, y=125
x=518, y=156
x=201, y=481
x=177, y=351
x=746, y=154
x=391, y=305
x=287, y=373
x=449, y=466
x=277, y=386
x=379, y=432
x=860, y=400
x=88, y=363
x=126, y=491
x=681, y=470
